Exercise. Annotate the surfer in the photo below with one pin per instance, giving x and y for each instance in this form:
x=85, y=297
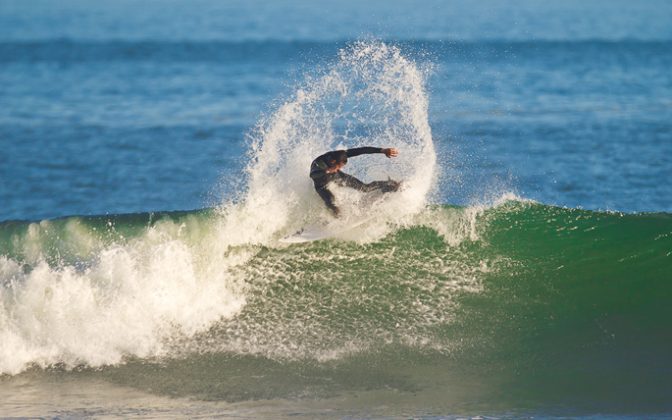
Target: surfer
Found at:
x=326, y=169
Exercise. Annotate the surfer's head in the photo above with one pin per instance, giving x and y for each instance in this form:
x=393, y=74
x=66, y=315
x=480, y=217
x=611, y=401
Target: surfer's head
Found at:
x=336, y=160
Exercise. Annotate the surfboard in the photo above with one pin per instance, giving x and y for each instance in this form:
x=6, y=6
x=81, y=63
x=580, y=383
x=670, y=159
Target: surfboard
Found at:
x=308, y=234
x=320, y=231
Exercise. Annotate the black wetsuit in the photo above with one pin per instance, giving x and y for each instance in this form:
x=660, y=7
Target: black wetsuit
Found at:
x=321, y=179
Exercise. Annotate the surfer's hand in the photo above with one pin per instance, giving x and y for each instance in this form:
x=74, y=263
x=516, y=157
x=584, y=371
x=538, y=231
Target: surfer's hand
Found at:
x=391, y=152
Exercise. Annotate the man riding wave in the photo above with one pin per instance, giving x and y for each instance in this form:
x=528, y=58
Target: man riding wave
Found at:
x=326, y=169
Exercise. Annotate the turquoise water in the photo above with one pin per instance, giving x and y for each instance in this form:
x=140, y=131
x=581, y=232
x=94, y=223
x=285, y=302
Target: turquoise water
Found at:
x=154, y=156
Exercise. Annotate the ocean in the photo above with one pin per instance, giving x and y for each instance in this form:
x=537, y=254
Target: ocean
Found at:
x=155, y=154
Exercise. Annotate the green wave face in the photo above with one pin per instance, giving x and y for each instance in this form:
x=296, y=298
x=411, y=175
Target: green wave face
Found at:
x=583, y=315
x=554, y=305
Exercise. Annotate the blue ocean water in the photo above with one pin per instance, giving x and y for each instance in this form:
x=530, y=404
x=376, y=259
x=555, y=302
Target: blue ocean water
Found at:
x=531, y=280
x=140, y=106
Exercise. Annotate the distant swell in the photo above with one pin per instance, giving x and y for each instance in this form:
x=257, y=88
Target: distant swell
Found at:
x=67, y=50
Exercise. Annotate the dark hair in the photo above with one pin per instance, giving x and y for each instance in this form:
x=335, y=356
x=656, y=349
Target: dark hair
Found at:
x=336, y=157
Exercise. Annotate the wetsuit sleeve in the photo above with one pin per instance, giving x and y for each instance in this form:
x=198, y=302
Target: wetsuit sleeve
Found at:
x=363, y=151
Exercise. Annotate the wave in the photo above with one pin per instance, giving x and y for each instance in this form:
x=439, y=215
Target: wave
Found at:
x=559, y=306
x=600, y=271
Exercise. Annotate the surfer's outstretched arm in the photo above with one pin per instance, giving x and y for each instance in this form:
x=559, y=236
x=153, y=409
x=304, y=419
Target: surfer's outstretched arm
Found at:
x=389, y=151
x=332, y=162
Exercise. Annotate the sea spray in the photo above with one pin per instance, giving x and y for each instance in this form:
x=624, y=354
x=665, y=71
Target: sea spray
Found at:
x=371, y=96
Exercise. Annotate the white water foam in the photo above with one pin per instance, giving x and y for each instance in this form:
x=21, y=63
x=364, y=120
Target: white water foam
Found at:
x=372, y=96
x=128, y=303
x=133, y=297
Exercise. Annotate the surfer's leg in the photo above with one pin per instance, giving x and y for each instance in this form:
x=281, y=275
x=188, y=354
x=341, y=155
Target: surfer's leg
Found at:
x=350, y=181
x=328, y=198
x=383, y=186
